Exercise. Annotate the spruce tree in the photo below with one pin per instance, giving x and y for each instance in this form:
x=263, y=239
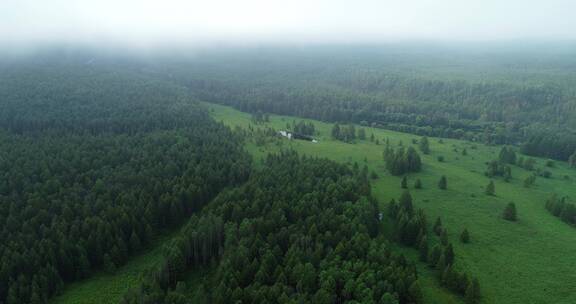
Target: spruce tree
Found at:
x=437, y=226
x=418, y=184
x=404, y=183
x=465, y=236
x=490, y=188
x=423, y=249
x=444, y=237
x=424, y=145
x=443, y=183
x=510, y=212
x=472, y=295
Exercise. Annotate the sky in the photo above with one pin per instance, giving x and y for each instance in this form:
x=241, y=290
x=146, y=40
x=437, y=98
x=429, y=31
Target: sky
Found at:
x=147, y=22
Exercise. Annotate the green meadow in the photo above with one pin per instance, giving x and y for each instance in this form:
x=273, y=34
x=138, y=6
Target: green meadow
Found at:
x=528, y=261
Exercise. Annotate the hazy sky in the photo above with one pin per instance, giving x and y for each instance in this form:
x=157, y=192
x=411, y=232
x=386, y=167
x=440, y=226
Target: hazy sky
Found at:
x=189, y=21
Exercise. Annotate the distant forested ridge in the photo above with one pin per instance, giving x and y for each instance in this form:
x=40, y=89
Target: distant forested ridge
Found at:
x=94, y=162
x=301, y=229
x=516, y=101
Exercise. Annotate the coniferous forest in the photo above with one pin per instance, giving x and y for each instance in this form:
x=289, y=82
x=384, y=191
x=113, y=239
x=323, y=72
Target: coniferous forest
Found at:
x=406, y=178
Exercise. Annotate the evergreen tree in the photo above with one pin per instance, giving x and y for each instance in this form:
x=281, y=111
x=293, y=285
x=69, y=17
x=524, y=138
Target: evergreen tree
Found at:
x=336, y=133
x=510, y=212
x=424, y=145
x=404, y=183
x=423, y=249
x=418, y=184
x=472, y=295
x=464, y=152
x=437, y=226
x=444, y=237
x=443, y=183
x=465, y=236
x=490, y=188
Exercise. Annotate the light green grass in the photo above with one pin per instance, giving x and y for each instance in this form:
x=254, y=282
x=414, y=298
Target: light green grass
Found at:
x=105, y=288
x=529, y=261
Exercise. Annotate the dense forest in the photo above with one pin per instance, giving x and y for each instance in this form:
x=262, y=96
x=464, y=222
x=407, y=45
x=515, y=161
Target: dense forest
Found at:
x=514, y=102
x=88, y=176
x=301, y=230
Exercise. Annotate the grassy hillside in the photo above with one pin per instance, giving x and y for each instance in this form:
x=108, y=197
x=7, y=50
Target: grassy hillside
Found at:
x=529, y=261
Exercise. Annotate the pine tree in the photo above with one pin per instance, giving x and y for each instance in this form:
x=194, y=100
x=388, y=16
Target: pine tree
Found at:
x=404, y=183
x=472, y=295
x=418, y=184
x=336, y=133
x=444, y=237
x=449, y=254
x=510, y=212
x=437, y=226
x=424, y=145
x=490, y=188
x=464, y=152
x=443, y=183
x=423, y=249
x=465, y=236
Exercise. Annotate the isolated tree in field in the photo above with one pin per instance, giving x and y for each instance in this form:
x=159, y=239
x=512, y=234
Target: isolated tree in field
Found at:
x=510, y=212
x=404, y=183
x=443, y=183
x=529, y=181
x=507, y=156
x=372, y=137
x=449, y=254
x=464, y=152
x=336, y=132
x=424, y=145
x=465, y=236
x=418, y=184
x=490, y=188
x=472, y=295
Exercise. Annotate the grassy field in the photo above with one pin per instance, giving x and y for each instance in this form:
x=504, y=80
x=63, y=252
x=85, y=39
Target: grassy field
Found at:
x=106, y=288
x=529, y=261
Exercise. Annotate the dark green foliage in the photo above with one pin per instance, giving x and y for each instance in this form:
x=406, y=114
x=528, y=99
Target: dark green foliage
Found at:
x=438, y=226
x=303, y=128
x=440, y=158
x=424, y=145
x=530, y=181
x=418, y=184
x=404, y=183
x=301, y=229
x=443, y=183
x=507, y=156
x=346, y=133
x=496, y=168
x=400, y=161
x=472, y=295
x=510, y=212
x=465, y=236
x=95, y=161
x=490, y=188
x=464, y=152
x=444, y=237
x=562, y=209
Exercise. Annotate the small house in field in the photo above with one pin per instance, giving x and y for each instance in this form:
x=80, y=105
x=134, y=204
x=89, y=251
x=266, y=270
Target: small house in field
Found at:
x=292, y=135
